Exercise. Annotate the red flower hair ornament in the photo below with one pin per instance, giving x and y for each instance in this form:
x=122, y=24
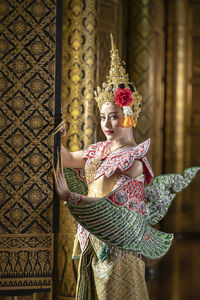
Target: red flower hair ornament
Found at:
x=123, y=97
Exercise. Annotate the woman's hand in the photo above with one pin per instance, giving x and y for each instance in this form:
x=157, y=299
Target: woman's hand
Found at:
x=60, y=128
x=60, y=181
x=63, y=128
x=62, y=189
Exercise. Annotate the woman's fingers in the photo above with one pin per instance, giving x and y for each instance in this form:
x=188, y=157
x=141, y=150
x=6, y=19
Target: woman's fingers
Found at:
x=58, y=162
x=59, y=167
x=55, y=178
x=54, y=173
x=61, y=164
x=63, y=129
x=60, y=181
x=60, y=127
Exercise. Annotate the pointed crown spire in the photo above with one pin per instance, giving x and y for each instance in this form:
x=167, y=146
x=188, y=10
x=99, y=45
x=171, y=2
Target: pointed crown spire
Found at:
x=117, y=73
x=119, y=90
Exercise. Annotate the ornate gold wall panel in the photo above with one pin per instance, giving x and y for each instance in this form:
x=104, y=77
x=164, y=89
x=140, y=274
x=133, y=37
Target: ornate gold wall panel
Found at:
x=78, y=82
x=145, y=59
x=27, y=80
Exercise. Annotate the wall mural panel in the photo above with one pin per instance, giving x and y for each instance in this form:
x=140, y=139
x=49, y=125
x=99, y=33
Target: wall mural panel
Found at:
x=27, y=87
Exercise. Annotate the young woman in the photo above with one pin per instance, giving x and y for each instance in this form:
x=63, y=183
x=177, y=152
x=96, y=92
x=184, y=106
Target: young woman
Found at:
x=114, y=234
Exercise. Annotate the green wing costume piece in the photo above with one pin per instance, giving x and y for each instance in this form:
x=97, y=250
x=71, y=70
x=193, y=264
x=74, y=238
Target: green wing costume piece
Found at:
x=125, y=229
x=162, y=191
x=76, y=180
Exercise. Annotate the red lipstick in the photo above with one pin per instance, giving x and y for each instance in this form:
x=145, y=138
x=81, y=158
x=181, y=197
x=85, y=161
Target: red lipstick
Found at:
x=108, y=132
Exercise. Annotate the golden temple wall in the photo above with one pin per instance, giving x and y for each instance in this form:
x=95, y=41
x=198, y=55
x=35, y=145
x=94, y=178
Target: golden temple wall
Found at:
x=27, y=87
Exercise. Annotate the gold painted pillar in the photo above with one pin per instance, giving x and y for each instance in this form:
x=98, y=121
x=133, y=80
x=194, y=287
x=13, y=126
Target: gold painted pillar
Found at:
x=145, y=62
x=174, y=152
x=146, y=68
x=78, y=78
x=176, y=96
x=78, y=83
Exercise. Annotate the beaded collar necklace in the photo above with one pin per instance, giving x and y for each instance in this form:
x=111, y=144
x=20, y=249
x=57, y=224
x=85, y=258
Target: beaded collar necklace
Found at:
x=95, y=163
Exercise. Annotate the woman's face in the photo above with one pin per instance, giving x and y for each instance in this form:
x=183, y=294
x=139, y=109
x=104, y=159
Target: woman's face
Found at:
x=111, y=120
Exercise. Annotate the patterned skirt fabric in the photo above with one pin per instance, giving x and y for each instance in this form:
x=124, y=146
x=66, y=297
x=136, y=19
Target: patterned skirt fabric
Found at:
x=121, y=277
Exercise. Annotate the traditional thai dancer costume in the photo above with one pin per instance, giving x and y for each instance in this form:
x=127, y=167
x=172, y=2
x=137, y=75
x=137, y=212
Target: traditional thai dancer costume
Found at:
x=115, y=233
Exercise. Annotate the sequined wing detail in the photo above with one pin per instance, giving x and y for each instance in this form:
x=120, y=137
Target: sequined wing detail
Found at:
x=76, y=180
x=122, y=228
x=131, y=194
x=162, y=191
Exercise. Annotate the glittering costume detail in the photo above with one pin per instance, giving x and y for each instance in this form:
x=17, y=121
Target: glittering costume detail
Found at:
x=116, y=230
x=73, y=198
x=83, y=236
x=162, y=191
x=76, y=180
x=77, y=183
x=121, y=160
x=122, y=179
x=94, y=164
x=121, y=227
x=130, y=195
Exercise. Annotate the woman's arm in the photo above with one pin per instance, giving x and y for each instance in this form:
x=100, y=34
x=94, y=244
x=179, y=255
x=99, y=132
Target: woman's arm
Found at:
x=72, y=159
x=62, y=189
x=73, y=198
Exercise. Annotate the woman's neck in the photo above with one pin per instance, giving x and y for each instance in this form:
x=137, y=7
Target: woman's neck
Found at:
x=126, y=141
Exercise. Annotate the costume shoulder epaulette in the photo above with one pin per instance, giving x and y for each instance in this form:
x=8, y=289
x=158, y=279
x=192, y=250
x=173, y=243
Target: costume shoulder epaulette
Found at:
x=122, y=160
x=94, y=149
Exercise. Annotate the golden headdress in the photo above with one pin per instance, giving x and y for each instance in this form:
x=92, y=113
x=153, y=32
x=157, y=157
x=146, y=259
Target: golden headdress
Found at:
x=119, y=90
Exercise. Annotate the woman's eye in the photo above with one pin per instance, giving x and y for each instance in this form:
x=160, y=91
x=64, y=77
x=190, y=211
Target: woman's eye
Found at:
x=113, y=117
x=102, y=118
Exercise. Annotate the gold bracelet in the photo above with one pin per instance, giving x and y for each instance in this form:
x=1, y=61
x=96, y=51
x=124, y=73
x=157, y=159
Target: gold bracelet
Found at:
x=74, y=198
